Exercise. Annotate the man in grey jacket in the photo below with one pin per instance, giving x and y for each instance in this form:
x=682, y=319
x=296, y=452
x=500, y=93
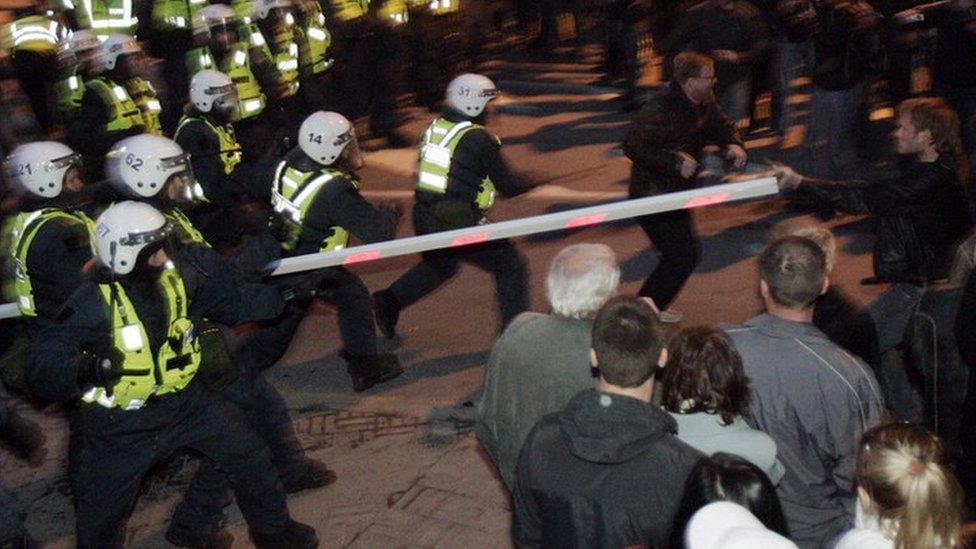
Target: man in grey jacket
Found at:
x=813, y=397
x=542, y=360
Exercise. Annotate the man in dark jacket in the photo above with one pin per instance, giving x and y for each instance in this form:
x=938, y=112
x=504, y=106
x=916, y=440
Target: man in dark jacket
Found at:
x=921, y=213
x=665, y=144
x=607, y=471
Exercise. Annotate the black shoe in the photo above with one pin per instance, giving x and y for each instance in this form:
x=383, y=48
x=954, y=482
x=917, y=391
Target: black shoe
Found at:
x=387, y=312
x=316, y=476
x=367, y=371
x=294, y=535
x=218, y=539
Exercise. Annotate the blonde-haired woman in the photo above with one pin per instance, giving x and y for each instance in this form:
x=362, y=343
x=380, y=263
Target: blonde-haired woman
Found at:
x=906, y=495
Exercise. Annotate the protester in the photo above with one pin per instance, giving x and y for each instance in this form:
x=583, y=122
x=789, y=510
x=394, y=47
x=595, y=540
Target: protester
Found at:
x=907, y=495
x=607, y=471
x=725, y=525
x=706, y=392
x=541, y=360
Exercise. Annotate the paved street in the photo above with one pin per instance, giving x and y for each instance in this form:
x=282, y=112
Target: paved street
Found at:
x=410, y=475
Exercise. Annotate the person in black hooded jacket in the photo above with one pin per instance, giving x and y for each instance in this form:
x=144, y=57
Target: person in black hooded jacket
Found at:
x=922, y=211
x=608, y=470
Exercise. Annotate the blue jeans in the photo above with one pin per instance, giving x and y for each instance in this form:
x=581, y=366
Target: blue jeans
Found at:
x=829, y=148
x=789, y=61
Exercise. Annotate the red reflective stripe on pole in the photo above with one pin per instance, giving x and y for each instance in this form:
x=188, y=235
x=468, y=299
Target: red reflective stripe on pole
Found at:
x=706, y=200
x=585, y=220
x=361, y=257
x=469, y=239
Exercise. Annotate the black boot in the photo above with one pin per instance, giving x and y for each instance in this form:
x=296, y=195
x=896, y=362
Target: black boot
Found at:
x=369, y=370
x=217, y=539
x=294, y=535
x=316, y=475
x=387, y=312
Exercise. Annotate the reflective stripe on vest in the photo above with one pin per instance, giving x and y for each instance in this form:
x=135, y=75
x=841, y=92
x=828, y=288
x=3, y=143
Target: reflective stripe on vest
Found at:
x=144, y=96
x=285, y=60
x=19, y=232
x=106, y=17
x=69, y=92
x=175, y=363
x=347, y=10
x=123, y=113
x=437, y=147
x=230, y=150
x=293, y=193
x=34, y=33
x=313, y=42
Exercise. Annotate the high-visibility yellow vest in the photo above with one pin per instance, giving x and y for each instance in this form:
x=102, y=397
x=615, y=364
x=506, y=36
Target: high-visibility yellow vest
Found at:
x=176, y=14
x=123, y=113
x=176, y=361
x=18, y=233
x=394, y=11
x=144, y=96
x=236, y=64
x=35, y=33
x=347, y=10
x=104, y=17
x=292, y=195
x=69, y=92
x=443, y=7
x=437, y=147
x=313, y=39
x=230, y=149
x=285, y=60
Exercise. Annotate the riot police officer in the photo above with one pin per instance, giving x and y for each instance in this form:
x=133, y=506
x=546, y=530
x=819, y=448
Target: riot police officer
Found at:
x=32, y=41
x=460, y=170
x=156, y=170
x=48, y=239
x=74, y=68
x=316, y=193
x=125, y=351
x=109, y=112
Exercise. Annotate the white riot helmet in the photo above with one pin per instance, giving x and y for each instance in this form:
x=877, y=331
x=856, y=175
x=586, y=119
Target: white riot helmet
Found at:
x=108, y=52
x=39, y=168
x=469, y=93
x=324, y=135
x=81, y=42
x=262, y=8
x=213, y=90
x=124, y=230
x=142, y=166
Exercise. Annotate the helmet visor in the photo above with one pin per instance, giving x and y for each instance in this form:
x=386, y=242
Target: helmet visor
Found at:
x=147, y=238
x=71, y=181
x=351, y=155
x=225, y=100
x=181, y=186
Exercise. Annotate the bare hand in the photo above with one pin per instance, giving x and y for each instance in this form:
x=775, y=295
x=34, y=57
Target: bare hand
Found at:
x=687, y=165
x=786, y=177
x=726, y=56
x=737, y=155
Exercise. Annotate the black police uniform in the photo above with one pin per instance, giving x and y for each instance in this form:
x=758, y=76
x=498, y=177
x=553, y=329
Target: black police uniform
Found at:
x=112, y=449
x=477, y=156
x=338, y=203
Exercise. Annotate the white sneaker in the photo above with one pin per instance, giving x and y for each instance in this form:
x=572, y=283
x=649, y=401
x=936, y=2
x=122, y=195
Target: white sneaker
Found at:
x=669, y=316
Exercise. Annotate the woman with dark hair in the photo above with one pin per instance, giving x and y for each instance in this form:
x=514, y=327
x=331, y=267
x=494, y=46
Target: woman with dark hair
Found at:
x=728, y=477
x=706, y=391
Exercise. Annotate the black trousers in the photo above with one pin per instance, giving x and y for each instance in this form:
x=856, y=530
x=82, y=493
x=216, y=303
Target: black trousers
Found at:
x=111, y=450
x=679, y=250
x=500, y=258
x=354, y=309
x=201, y=510
x=37, y=73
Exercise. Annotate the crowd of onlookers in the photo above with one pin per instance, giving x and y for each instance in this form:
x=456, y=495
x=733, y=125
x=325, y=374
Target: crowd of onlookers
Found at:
x=611, y=432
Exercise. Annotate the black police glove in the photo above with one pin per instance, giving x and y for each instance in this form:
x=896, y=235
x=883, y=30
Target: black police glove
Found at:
x=101, y=370
x=25, y=438
x=278, y=228
x=302, y=289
